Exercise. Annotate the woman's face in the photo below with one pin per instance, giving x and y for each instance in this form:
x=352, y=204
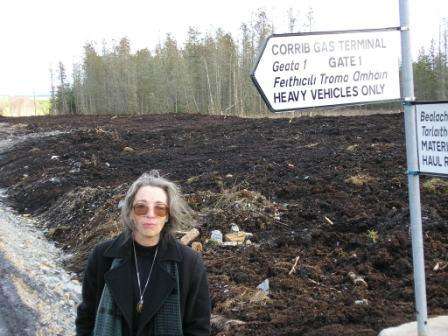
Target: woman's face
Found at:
x=150, y=213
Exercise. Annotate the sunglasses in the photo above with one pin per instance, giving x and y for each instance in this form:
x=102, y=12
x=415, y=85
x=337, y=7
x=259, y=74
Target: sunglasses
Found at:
x=160, y=210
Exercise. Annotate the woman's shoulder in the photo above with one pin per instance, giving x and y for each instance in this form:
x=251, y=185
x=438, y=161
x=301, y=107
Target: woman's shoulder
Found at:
x=104, y=245
x=189, y=256
x=188, y=252
x=110, y=246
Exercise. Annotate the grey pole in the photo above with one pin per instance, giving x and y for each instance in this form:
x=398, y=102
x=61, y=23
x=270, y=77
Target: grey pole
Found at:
x=413, y=178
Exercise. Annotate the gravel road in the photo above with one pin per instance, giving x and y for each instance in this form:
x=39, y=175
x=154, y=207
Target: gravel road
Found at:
x=37, y=296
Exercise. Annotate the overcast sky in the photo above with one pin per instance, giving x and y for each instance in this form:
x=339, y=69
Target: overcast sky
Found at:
x=36, y=35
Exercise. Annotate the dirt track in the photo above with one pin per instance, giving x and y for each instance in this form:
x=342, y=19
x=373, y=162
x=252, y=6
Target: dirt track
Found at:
x=37, y=297
x=331, y=191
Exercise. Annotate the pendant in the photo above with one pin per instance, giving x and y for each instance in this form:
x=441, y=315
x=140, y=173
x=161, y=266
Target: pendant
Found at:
x=140, y=306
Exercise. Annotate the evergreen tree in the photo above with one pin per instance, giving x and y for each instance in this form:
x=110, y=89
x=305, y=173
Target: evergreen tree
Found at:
x=209, y=74
x=194, y=89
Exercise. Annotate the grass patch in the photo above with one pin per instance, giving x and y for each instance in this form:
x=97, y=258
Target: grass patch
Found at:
x=436, y=186
x=360, y=179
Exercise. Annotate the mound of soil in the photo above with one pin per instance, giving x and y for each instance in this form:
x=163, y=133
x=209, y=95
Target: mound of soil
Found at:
x=326, y=195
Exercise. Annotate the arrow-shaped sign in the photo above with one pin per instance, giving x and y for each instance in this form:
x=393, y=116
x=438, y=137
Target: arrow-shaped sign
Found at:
x=295, y=71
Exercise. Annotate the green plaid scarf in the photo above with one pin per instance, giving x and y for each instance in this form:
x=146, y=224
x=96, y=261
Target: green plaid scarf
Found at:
x=167, y=321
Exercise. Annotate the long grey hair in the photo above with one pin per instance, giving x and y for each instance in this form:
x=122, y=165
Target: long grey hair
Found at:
x=180, y=216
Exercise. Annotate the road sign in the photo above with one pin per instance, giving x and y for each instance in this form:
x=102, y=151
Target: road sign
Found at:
x=295, y=71
x=432, y=137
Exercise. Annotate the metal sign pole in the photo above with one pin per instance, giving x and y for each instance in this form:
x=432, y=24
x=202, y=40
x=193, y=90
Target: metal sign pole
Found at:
x=413, y=178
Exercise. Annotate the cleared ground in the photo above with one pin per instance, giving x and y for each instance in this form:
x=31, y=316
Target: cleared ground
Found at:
x=329, y=190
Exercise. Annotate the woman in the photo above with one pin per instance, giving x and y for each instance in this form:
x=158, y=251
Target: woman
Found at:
x=143, y=282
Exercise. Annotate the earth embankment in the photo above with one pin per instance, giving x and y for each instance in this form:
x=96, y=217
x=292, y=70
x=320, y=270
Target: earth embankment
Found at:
x=327, y=195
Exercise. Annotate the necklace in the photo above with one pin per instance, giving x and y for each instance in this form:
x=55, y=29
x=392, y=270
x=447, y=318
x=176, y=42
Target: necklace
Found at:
x=140, y=302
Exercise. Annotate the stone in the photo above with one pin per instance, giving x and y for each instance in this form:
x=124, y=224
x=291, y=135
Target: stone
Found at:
x=128, y=150
x=234, y=227
x=216, y=236
x=362, y=302
x=264, y=286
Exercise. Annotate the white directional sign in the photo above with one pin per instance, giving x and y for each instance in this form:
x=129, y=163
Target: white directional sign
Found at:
x=432, y=137
x=296, y=71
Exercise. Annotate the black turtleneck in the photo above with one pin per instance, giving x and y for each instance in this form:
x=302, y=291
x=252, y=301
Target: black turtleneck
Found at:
x=145, y=256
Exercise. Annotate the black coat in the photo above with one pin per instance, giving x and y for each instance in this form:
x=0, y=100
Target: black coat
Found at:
x=194, y=293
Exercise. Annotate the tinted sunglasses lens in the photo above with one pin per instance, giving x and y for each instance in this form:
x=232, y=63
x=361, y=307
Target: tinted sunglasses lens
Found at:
x=140, y=209
x=161, y=210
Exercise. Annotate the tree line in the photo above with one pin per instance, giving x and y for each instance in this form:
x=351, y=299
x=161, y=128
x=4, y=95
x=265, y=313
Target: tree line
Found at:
x=209, y=74
x=431, y=69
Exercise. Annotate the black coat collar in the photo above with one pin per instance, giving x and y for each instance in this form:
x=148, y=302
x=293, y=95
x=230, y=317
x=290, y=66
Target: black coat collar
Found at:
x=121, y=247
